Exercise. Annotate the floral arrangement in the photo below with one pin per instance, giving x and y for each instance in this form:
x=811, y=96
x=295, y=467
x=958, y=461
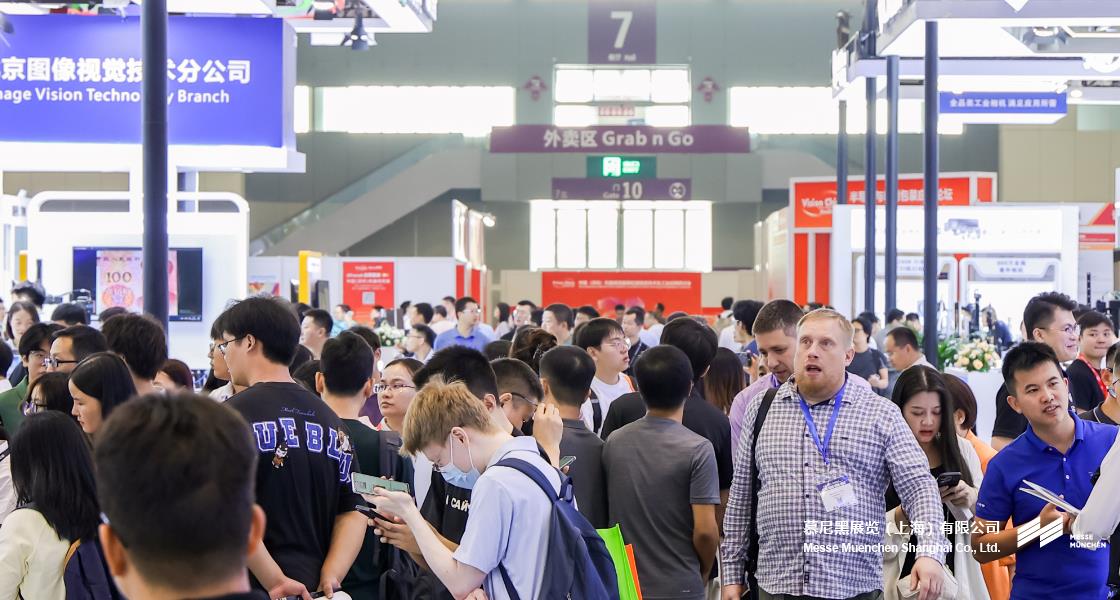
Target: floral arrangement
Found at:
x=977, y=356
x=389, y=335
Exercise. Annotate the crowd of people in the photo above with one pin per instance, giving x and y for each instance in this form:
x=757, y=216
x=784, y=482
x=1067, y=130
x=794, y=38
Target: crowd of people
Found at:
x=781, y=452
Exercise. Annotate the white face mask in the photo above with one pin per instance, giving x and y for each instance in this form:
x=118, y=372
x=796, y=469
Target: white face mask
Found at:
x=456, y=476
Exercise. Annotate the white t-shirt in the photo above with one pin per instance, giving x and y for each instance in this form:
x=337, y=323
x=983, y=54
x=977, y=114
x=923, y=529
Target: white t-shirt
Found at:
x=501, y=496
x=442, y=326
x=727, y=339
x=606, y=393
x=223, y=393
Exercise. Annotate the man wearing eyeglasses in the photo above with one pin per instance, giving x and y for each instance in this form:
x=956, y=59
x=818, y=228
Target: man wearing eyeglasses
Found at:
x=1048, y=318
x=34, y=351
x=609, y=347
x=466, y=331
x=72, y=345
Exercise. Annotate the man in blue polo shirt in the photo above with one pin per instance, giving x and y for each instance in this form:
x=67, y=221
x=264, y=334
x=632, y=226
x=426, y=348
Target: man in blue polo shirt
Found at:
x=1060, y=452
x=466, y=332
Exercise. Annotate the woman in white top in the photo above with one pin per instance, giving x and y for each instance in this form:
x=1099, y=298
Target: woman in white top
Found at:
x=53, y=475
x=927, y=406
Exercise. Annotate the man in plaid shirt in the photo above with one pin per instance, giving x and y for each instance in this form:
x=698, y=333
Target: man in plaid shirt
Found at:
x=824, y=469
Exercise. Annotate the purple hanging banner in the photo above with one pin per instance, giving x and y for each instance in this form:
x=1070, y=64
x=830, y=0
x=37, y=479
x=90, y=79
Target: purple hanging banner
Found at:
x=696, y=139
x=621, y=32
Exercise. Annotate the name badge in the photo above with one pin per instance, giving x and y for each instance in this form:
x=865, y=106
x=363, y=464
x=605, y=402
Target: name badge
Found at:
x=837, y=493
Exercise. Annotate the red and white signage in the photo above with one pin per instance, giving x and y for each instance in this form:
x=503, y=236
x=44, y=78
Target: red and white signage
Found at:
x=606, y=289
x=812, y=199
x=366, y=284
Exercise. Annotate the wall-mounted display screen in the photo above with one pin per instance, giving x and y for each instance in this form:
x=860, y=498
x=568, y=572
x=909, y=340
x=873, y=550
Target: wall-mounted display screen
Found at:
x=114, y=276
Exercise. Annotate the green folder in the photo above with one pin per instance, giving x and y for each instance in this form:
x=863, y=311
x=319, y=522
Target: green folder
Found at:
x=627, y=590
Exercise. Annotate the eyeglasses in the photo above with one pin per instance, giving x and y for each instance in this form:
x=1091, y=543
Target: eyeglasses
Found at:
x=222, y=347
x=1068, y=330
x=470, y=311
x=532, y=403
x=54, y=363
x=394, y=387
x=620, y=343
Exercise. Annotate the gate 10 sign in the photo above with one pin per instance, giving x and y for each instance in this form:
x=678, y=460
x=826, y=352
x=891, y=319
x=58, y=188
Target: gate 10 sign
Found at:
x=621, y=32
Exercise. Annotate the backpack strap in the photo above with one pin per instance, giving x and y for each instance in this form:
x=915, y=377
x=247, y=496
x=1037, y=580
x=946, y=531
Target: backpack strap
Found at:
x=510, y=590
x=72, y=550
x=542, y=482
x=533, y=473
x=5, y=452
x=596, y=415
x=759, y=420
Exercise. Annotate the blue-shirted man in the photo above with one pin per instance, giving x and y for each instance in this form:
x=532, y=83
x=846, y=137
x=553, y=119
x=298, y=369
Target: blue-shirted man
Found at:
x=466, y=332
x=1059, y=452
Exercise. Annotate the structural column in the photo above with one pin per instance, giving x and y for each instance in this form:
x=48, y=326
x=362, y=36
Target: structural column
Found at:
x=890, y=274
x=153, y=25
x=842, y=156
x=932, y=166
x=869, y=193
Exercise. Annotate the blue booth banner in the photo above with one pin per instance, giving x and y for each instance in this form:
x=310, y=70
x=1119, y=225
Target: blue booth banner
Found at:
x=77, y=79
x=973, y=103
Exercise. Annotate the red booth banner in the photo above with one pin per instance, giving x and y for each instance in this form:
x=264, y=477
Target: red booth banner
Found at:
x=366, y=284
x=606, y=289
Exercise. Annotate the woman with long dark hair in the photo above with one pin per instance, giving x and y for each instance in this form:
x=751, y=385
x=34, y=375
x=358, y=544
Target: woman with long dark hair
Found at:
x=530, y=344
x=21, y=316
x=724, y=379
x=501, y=320
x=51, y=391
x=53, y=476
x=99, y=384
x=923, y=397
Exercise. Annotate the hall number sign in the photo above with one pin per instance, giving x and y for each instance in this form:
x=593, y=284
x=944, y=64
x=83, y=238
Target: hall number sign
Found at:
x=621, y=32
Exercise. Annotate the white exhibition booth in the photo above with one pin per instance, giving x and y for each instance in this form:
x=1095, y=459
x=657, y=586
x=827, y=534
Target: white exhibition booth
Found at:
x=1005, y=252
x=107, y=226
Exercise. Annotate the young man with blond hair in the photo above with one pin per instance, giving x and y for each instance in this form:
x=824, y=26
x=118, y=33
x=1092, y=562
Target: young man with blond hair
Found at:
x=454, y=430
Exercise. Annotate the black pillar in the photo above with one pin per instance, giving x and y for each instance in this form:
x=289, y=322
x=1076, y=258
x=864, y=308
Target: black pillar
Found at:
x=153, y=25
x=890, y=275
x=932, y=166
x=870, y=186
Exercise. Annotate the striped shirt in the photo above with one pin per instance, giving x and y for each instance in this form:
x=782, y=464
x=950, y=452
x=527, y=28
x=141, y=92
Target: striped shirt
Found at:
x=873, y=447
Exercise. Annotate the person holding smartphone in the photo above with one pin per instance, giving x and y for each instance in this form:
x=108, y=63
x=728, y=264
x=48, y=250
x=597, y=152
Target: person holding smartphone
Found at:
x=923, y=397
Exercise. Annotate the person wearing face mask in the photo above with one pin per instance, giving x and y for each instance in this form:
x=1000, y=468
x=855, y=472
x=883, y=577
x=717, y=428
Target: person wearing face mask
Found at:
x=450, y=496
x=450, y=426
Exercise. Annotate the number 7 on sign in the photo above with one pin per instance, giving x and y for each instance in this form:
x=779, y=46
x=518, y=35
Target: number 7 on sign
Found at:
x=626, y=17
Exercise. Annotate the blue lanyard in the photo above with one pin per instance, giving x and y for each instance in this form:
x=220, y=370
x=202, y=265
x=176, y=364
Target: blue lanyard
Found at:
x=822, y=447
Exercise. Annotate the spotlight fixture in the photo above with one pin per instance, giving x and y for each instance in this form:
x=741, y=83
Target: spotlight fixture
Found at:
x=357, y=39
x=489, y=220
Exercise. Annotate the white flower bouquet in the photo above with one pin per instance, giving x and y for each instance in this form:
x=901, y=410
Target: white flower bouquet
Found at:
x=977, y=356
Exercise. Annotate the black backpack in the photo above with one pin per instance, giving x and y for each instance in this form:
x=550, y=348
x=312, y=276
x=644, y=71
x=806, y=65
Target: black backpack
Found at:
x=400, y=575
